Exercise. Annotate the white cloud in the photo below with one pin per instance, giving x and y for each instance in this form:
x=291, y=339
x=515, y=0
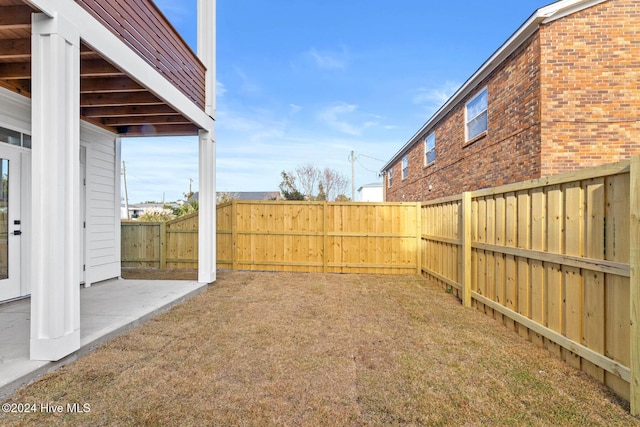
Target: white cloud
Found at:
x=333, y=117
x=220, y=89
x=294, y=109
x=247, y=86
x=329, y=60
x=435, y=96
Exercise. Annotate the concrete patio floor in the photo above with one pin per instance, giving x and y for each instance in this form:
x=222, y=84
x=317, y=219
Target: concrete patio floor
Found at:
x=107, y=309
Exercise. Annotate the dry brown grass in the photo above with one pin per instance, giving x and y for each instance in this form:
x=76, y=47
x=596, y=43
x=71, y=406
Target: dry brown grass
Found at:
x=313, y=349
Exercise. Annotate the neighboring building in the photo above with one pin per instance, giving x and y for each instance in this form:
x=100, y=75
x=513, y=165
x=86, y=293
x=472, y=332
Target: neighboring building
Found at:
x=75, y=77
x=371, y=192
x=223, y=196
x=256, y=195
x=563, y=93
x=139, y=209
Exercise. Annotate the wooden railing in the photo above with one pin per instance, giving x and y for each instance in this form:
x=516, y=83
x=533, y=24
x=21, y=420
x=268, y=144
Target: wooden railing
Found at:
x=142, y=26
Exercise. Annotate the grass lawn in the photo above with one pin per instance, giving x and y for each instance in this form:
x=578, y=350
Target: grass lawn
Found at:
x=314, y=350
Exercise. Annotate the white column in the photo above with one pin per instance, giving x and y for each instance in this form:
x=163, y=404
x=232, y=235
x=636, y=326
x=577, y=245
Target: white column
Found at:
x=207, y=148
x=55, y=281
x=207, y=209
x=207, y=50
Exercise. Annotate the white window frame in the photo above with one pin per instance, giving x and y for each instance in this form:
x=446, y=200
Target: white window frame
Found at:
x=389, y=178
x=485, y=112
x=430, y=137
x=405, y=167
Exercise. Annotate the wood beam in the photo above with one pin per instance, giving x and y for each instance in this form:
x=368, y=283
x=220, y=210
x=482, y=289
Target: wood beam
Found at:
x=15, y=49
x=153, y=130
x=145, y=120
x=98, y=68
x=116, y=99
x=128, y=110
x=15, y=17
x=15, y=71
x=22, y=87
x=108, y=85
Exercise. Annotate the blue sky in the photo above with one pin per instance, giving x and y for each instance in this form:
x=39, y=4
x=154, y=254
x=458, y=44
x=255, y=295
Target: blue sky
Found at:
x=307, y=81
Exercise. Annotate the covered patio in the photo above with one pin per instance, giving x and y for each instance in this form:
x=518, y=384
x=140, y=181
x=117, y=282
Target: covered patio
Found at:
x=76, y=76
x=107, y=309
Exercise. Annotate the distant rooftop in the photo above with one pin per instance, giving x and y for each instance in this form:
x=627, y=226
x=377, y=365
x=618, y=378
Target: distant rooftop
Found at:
x=244, y=195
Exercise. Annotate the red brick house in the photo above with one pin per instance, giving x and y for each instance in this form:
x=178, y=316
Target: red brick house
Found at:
x=563, y=93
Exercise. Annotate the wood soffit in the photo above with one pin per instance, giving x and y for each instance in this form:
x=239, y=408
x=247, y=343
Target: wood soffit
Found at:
x=109, y=98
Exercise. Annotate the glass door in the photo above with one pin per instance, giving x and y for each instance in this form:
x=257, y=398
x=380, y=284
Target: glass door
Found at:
x=10, y=223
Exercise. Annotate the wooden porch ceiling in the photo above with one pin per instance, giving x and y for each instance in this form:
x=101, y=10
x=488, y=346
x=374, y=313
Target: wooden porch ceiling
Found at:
x=109, y=98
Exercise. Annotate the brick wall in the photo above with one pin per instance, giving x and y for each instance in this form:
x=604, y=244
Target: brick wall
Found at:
x=567, y=99
x=591, y=87
x=509, y=152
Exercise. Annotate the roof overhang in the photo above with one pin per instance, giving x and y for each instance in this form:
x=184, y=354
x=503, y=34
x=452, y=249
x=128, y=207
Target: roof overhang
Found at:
x=541, y=16
x=132, y=83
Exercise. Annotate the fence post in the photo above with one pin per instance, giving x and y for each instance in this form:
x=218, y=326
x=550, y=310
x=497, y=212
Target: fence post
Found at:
x=634, y=283
x=466, y=249
x=418, y=238
x=163, y=245
x=325, y=238
x=234, y=235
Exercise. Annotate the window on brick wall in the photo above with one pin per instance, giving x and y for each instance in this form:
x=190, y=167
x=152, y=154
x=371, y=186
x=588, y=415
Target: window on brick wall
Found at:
x=389, y=177
x=476, y=115
x=405, y=167
x=430, y=148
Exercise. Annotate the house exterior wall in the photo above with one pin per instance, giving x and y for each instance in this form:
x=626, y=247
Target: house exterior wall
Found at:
x=591, y=87
x=566, y=99
x=509, y=152
x=370, y=193
x=102, y=246
x=102, y=203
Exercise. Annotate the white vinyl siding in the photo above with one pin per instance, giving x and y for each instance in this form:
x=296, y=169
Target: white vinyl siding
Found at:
x=476, y=115
x=103, y=204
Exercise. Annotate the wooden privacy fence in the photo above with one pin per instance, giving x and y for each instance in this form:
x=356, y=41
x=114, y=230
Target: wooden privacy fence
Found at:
x=555, y=259
x=331, y=237
x=171, y=244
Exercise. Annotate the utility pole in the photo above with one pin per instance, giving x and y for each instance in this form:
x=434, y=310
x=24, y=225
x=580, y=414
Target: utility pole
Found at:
x=352, y=159
x=126, y=195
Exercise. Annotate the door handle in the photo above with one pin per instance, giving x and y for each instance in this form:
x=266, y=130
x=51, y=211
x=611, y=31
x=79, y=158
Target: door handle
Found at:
x=17, y=232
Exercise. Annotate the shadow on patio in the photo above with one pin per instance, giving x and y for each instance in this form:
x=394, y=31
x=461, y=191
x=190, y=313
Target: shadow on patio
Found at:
x=107, y=309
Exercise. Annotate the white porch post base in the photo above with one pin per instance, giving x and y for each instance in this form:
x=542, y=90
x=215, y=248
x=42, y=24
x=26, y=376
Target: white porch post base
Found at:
x=207, y=209
x=55, y=348
x=55, y=252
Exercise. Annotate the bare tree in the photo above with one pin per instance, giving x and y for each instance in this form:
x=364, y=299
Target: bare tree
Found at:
x=308, y=177
x=309, y=182
x=333, y=183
